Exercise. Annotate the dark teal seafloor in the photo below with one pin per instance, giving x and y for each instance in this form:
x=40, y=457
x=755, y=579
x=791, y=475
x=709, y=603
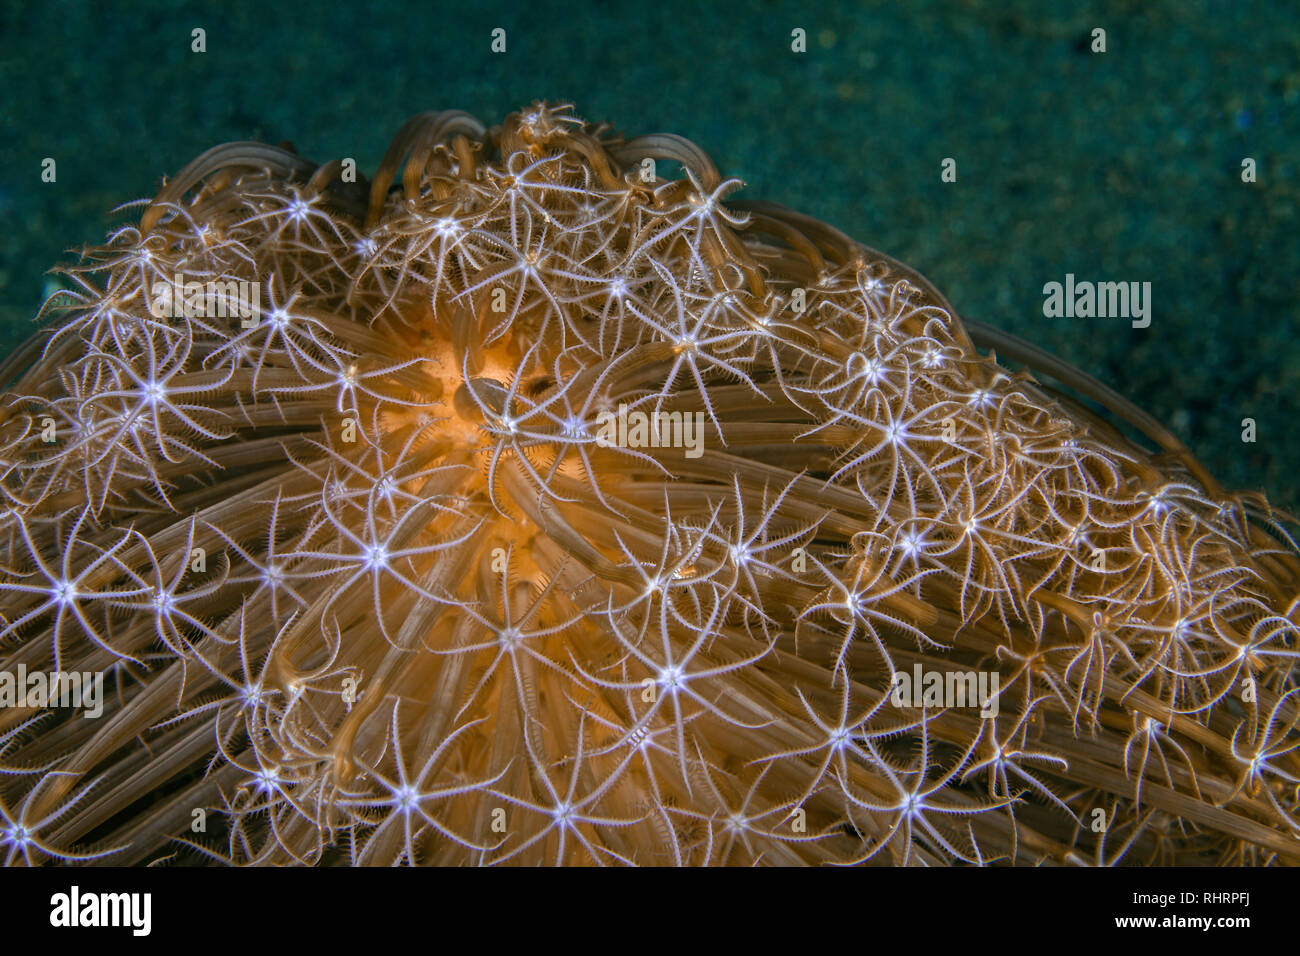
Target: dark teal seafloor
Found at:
x=1122, y=166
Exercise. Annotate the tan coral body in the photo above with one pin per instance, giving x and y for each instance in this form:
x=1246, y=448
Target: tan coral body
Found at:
x=436, y=620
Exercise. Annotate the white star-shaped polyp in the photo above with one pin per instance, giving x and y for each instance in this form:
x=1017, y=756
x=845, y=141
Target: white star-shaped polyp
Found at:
x=573, y=427
x=1000, y=758
x=741, y=554
x=64, y=591
x=671, y=677
x=911, y=543
x=154, y=392
x=1253, y=765
x=839, y=738
x=386, y=488
x=860, y=366
x=376, y=557
x=1159, y=505
x=446, y=227
x=266, y=781
x=253, y=694
x=298, y=210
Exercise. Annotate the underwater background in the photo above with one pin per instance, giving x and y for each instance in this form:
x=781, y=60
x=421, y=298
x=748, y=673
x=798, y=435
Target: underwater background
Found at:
x=1117, y=166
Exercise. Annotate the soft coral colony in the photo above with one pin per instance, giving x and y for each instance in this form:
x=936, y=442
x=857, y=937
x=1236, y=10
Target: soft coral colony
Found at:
x=368, y=583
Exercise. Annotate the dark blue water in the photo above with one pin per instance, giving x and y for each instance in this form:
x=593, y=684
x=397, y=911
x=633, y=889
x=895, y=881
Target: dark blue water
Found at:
x=1123, y=165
